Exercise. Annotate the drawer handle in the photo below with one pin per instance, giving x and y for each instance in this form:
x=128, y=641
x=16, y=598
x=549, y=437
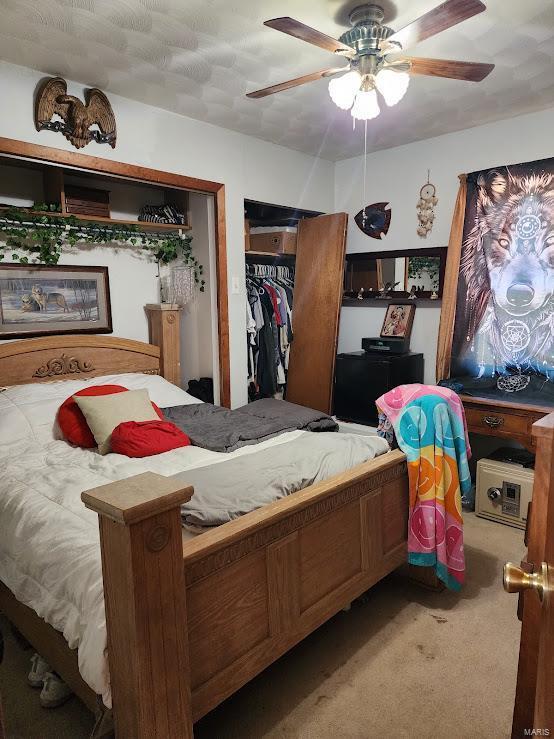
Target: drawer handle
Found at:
x=493, y=421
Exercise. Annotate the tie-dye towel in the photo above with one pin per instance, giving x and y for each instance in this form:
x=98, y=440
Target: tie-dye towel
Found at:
x=430, y=428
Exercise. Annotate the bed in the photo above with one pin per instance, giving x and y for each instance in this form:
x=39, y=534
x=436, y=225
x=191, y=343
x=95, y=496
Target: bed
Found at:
x=189, y=620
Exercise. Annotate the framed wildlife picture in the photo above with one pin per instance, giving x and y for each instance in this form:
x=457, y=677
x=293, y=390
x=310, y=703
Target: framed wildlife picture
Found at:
x=398, y=321
x=38, y=300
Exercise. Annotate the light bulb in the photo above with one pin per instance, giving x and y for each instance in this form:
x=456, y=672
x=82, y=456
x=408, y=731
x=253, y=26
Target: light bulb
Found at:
x=365, y=105
x=343, y=89
x=392, y=85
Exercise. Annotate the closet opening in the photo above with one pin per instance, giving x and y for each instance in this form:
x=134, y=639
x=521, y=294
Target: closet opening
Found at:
x=270, y=244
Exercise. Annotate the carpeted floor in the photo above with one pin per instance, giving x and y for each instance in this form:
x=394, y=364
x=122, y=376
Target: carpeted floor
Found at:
x=403, y=662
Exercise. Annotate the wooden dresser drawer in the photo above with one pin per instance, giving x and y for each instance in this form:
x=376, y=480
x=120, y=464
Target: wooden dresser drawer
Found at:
x=507, y=423
x=482, y=420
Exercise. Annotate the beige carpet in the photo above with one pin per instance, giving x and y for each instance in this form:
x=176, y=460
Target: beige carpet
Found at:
x=403, y=662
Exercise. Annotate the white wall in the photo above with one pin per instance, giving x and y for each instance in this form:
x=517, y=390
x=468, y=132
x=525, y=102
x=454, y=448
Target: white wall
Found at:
x=396, y=175
x=254, y=169
x=199, y=347
x=249, y=168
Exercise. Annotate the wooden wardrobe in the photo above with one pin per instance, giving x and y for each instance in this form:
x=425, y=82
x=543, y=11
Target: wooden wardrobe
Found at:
x=318, y=289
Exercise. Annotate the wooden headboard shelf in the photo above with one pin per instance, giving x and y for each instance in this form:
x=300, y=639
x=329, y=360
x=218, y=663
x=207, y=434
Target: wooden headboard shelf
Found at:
x=72, y=357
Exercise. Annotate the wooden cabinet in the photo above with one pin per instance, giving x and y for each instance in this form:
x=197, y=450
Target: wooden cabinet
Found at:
x=503, y=420
x=362, y=377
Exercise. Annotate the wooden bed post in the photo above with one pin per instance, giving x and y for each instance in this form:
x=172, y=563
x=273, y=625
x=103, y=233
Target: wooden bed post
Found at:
x=144, y=591
x=164, y=320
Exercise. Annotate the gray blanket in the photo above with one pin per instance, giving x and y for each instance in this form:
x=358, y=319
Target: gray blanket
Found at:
x=227, y=490
x=221, y=430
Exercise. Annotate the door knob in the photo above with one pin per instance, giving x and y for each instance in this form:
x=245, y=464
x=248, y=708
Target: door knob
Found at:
x=515, y=579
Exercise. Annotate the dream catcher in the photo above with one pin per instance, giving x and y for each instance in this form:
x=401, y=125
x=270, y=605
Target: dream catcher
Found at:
x=425, y=208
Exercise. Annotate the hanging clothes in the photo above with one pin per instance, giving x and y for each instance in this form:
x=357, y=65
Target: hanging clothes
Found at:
x=269, y=296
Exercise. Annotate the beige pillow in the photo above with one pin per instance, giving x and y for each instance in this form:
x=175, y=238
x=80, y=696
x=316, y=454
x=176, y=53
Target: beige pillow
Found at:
x=104, y=412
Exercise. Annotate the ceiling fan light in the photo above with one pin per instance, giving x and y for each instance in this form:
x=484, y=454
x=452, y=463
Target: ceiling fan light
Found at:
x=392, y=85
x=343, y=89
x=365, y=105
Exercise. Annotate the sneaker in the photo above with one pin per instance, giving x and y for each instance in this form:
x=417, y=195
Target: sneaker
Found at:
x=54, y=691
x=39, y=668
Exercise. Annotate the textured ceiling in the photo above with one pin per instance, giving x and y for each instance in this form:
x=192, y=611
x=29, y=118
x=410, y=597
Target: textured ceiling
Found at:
x=199, y=57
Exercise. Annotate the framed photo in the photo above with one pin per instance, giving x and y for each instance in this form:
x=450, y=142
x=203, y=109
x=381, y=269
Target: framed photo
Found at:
x=38, y=300
x=398, y=321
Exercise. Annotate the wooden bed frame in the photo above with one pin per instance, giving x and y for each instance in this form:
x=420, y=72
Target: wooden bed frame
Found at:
x=190, y=622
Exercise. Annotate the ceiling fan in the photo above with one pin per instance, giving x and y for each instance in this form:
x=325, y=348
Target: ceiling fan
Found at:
x=372, y=50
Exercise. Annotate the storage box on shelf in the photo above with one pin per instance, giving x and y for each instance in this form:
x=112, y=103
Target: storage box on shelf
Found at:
x=87, y=201
x=273, y=242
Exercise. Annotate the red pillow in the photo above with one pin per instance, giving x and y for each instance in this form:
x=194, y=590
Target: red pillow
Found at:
x=72, y=422
x=146, y=438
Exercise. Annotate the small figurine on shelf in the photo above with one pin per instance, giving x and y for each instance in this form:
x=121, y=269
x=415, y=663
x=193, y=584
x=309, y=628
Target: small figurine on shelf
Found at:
x=413, y=293
x=360, y=295
x=385, y=291
x=434, y=295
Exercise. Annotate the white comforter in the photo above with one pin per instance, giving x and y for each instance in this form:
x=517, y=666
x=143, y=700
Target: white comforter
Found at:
x=49, y=543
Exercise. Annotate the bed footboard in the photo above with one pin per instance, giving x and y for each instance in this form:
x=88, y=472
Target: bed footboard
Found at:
x=260, y=584
x=190, y=623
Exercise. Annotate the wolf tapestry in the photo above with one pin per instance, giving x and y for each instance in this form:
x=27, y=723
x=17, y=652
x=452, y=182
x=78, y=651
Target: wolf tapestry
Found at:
x=504, y=329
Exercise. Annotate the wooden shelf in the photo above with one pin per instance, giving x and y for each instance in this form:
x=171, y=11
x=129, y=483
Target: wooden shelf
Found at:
x=373, y=302
x=54, y=191
x=141, y=225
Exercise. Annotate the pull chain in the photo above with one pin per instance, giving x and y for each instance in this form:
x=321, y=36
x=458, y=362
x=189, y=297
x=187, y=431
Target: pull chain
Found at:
x=365, y=164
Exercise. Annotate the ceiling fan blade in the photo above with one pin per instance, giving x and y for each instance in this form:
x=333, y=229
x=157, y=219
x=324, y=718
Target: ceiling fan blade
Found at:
x=444, y=16
x=470, y=71
x=308, y=34
x=295, y=82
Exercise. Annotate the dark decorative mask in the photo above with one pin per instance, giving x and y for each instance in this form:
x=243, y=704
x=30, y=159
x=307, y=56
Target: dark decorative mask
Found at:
x=374, y=220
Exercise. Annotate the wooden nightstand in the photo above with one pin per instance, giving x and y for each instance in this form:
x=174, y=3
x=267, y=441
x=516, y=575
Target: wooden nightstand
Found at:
x=362, y=377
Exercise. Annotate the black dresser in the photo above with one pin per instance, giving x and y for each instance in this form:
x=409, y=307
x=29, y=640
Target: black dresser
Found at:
x=362, y=377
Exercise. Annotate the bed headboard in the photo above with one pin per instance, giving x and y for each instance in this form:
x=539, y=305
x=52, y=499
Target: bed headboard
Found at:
x=70, y=356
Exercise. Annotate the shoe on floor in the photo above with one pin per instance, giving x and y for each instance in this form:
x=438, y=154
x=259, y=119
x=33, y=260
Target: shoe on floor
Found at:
x=39, y=668
x=54, y=691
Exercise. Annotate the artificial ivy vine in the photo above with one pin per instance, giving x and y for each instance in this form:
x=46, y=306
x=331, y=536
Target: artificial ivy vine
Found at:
x=43, y=234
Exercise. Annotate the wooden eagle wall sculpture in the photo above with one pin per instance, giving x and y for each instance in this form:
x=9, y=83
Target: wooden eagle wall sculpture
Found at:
x=77, y=118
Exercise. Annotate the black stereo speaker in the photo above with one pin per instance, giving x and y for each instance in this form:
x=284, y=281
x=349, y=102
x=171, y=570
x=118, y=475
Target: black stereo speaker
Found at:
x=387, y=345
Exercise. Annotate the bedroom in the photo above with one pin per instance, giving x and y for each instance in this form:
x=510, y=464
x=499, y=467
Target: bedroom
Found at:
x=176, y=80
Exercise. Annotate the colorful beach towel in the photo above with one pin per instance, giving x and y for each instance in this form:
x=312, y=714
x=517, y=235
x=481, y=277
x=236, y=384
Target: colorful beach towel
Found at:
x=430, y=428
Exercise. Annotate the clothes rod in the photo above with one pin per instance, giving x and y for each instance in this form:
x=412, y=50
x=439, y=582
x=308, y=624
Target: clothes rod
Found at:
x=258, y=258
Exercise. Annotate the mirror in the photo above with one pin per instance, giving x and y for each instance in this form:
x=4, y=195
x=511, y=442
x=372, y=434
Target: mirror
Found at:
x=394, y=274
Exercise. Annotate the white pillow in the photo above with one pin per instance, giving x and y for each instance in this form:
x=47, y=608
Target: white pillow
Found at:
x=162, y=392
x=27, y=410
